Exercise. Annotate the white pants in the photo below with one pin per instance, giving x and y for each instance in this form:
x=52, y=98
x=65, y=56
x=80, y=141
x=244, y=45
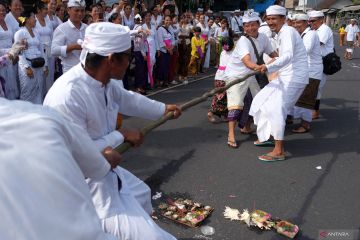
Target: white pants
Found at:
x=321, y=86
x=302, y=113
x=237, y=93
x=271, y=106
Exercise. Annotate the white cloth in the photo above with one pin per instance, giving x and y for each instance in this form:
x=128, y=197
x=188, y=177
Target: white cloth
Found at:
x=31, y=89
x=66, y=34
x=292, y=63
x=94, y=107
x=100, y=37
x=128, y=21
x=236, y=94
x=312, y=46
x=271, y=106
x=219, y=33
x=11, y=22
x=236, y=23
x=45, y=34
x=224, y=59
x=276, y=10
x=9, y=71
x=351, y=32
x=42, y=176
x=265, y=29
x=326, y=38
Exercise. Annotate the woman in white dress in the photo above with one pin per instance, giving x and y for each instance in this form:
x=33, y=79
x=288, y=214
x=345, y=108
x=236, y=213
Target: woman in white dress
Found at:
x=128, y=16
x=151, y=45
x=205, y=34
x=220, y=33
x=8, y=71
x=31, y=76
x=51, y=16
x=45, y=30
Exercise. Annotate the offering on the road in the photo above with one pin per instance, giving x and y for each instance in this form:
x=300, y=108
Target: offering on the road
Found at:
x=185, y=211
x=262, y=220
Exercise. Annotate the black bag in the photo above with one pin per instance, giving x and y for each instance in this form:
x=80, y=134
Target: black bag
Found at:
x=37, y=62
x=332, y=64
x=261, y=78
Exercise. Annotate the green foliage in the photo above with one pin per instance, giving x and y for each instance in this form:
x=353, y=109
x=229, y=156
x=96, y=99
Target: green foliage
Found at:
x=356, y=1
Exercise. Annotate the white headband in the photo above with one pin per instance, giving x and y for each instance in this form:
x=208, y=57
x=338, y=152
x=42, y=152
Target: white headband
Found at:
x=315, y=14
x=76, y=3
x=301, y=17
x=251, y=16
x=105, y=38
x=276, y=10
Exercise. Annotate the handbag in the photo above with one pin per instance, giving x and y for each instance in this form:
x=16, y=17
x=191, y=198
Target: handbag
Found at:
x=261, y=78
x=332, y=63
x=37, y=62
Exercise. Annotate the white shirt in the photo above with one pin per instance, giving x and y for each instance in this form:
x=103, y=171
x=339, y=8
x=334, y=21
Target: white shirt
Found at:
x=224, y=59
x=6, y=39
x=351, y=32
x=44, y=160
x=326, y=37
x=94, y=107
x=312, y=45
x=235, y=23
x=205, y=31
x=219, y=33
x=292, y=63
x=66, y=34
x=244, y=47
x=45, y=34
x=11, y=22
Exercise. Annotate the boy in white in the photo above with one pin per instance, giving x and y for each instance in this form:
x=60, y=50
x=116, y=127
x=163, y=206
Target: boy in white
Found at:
x=271, y=106
x=352, y=32
x=242, y=62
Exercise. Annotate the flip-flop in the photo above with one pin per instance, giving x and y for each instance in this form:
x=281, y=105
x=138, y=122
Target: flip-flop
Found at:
x=232, y=144
x=301, y=129
x=270, y=158
x=266, y=143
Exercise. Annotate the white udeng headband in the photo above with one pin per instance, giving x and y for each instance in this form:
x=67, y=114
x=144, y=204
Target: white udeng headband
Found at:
x=76, y=3
x=104, y=38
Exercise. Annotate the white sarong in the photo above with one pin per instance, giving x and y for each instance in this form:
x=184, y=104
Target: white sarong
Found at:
x=271, y=106
x=237, y=93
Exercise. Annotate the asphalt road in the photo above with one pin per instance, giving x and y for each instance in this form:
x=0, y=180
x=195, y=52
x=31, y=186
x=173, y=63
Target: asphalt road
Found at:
x=189, y=157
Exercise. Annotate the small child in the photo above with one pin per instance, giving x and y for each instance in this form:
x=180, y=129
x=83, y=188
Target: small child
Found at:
x=197, y=51
x=219, y=102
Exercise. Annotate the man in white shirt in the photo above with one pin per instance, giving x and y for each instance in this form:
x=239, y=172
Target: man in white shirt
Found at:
x=316, y=22
x=11, y=18
x=89, y=96
x=271, y=106
x=237, y=23
x=64, y=44
x=306, y=102
x=352, y=32
x=44, y=161
x=242, y=62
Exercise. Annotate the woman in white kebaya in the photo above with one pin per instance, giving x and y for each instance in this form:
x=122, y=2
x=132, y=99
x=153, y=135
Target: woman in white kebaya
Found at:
x=8, y=71
x=31, y=75
x=45, y=30
x=205, y=34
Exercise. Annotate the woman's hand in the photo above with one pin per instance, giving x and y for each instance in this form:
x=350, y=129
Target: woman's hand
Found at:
x=29, y=72
x=173, y=108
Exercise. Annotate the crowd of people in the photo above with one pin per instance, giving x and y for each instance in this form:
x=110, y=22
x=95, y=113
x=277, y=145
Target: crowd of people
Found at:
x=89, y=60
